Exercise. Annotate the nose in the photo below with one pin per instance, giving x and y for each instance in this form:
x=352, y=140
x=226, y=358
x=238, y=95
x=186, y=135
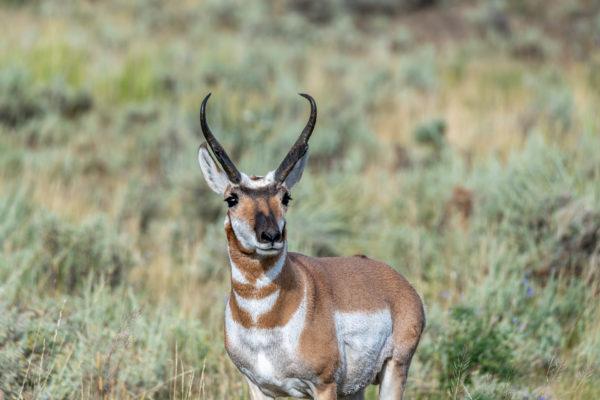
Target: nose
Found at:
x=270, y=237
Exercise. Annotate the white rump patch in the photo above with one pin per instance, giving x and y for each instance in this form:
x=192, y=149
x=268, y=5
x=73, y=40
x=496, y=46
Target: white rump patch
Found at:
x=365, y=342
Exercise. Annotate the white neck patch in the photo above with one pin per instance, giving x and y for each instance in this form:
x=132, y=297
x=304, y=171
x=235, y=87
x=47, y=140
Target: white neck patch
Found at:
x=274, y=271
x=236, y=274
x=267, y=278
x=265, y=355
x=256, y=339
x=257, y=307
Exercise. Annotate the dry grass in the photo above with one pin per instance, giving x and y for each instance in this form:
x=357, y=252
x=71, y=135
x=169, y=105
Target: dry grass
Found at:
x=518, y=135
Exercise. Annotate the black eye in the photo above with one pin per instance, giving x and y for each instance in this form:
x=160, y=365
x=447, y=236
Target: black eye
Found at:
x=286, y=199
x=231, y=201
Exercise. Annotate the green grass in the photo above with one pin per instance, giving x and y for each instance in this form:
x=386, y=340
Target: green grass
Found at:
x=468, y=163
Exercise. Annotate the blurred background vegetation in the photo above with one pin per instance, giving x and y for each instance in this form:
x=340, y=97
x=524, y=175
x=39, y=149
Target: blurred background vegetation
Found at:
x=457, y=141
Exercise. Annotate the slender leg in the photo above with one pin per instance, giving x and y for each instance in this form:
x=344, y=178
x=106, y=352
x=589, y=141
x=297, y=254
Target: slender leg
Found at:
x=393, y=380
x=327, y=392
x=255, y=393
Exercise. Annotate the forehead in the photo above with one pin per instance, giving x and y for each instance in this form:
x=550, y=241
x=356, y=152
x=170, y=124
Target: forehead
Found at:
x=265, y=191
x=258, y=186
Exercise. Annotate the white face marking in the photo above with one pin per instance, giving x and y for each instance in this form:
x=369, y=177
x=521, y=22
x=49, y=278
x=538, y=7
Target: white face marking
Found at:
x=258, y=183
x=245, y=234
x=365, y=342
x=257, y=307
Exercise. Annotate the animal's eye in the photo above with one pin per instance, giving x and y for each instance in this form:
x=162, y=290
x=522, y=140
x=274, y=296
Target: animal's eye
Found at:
x=231, y=201
x=286, y=199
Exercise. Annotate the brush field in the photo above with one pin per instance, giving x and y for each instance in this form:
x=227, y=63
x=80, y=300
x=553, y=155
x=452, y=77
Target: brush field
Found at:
x=458, y=141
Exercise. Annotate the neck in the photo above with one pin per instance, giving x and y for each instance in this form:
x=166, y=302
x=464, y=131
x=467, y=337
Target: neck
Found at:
x=265, y=291
x=253, y=271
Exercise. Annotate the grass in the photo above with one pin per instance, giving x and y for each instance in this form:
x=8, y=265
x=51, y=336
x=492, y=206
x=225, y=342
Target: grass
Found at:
x=467, y=164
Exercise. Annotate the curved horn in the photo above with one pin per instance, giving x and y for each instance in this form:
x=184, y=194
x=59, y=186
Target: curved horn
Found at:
x=301, y=146
x=230, y=169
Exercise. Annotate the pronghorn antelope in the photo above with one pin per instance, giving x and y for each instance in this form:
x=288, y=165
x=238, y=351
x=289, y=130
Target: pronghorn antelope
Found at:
x=321, y=328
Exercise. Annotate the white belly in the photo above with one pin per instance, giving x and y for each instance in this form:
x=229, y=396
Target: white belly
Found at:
x=268, y=357
x=365, y=342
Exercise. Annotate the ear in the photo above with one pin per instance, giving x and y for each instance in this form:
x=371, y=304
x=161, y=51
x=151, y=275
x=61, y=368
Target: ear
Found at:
x=213, y=175
x=294, y=176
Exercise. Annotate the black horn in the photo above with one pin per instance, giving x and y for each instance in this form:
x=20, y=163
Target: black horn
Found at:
x=220, y=153
x=301, y=146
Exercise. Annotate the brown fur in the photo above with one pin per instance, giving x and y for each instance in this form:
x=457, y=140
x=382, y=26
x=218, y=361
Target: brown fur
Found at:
x=347, y=284
x=336, y=284
x=356, y=289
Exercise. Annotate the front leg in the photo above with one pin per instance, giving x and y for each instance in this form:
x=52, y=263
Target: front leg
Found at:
x=393, y=380
x=326, y=392
x=255, y=393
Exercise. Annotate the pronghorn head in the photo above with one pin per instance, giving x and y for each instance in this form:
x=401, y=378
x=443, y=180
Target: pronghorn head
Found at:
x=256, y=204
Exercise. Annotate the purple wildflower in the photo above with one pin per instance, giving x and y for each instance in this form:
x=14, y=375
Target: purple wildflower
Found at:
x=530, y=291
x=515, y=320
x=445, y=294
